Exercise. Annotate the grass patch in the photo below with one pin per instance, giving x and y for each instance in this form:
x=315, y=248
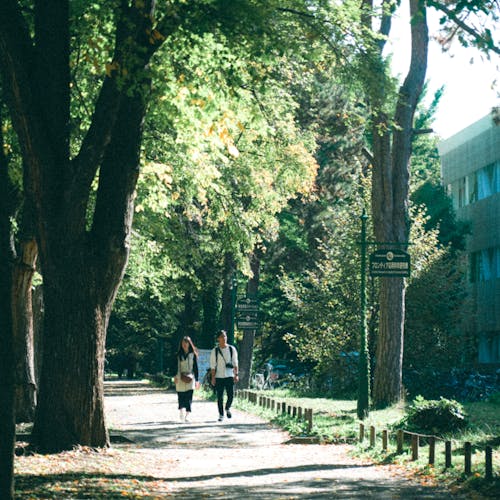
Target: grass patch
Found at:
x=335, y=421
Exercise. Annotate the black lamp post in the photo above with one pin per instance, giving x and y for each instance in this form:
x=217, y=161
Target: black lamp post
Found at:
x=233, y=286
x=364, y=359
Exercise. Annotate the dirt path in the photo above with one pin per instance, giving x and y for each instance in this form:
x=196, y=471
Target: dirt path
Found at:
x=242, y=458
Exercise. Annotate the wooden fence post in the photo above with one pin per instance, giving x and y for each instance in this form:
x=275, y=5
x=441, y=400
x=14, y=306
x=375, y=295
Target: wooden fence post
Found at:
x=299, y=413
x=385, y=439
x=372, y=436
x=467, y=458
x=488, y=462
x=432, y=450
x=447, y=454
x=361, y=432
x=400, y=439
x=309, y=419
x=414, y=447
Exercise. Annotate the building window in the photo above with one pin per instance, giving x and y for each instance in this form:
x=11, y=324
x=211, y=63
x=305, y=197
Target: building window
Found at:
x=488, y=180
x=472, y=187
x=489, y=347
x=485, y=182
x=484, y=265
x=495, y=182
x=461, y=193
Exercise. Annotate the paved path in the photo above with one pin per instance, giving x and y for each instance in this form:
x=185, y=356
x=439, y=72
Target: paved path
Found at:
x=241, y=458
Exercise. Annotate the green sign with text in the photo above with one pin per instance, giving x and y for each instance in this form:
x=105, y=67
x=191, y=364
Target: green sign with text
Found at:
x=390, y=264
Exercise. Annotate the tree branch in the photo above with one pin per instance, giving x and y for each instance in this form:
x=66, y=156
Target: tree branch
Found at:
x=482, y=43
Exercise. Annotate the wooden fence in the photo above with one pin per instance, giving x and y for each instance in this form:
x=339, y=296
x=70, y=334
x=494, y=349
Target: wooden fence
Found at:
x=279, y=406
x=302, y=413
x=415, y=442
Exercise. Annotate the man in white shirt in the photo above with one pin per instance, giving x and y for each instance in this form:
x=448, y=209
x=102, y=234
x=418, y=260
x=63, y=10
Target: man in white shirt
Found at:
x=224, y=371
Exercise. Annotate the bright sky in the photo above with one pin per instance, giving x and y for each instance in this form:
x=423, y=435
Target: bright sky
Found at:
x=469, y=92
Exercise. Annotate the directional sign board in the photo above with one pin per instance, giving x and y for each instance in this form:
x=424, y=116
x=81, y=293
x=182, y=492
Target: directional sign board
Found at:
x=247, y=324
x=247, y=313
x=390, y=264
x=247, y=304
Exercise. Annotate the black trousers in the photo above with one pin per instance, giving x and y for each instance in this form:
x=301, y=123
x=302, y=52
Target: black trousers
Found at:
x=226, y=384
x=185, y=399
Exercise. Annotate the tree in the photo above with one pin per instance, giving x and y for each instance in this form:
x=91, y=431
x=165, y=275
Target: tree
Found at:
x=9, y=201
x=83, y=237
x=392, y=135
x=391, y=147
x=82, y=264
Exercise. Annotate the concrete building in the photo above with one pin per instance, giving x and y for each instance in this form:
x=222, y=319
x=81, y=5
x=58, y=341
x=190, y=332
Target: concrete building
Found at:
x=470, y=167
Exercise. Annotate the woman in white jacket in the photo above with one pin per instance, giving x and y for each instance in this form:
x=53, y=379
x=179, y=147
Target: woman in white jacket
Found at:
x=186, y=378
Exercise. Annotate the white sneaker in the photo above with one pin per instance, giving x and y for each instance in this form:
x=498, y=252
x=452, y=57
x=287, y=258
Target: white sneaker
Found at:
x=186, y=418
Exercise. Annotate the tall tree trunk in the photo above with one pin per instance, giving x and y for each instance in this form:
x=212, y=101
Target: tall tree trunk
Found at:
x=76, y=317
x=81, y=268
x=70, y=410
x=390, y=193
x=7, y=255
x=24, y=269
x=188, y=317
x=247, y=343
x=210, y=304
x=7, y=414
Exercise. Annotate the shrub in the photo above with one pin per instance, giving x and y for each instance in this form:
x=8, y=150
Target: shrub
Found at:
x=433, y=416
x=160, y=380
x=494, y=398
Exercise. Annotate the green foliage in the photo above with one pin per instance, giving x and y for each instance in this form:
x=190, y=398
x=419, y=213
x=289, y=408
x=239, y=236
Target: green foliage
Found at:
x=494, y=399
x=223, y=154
x=441, y=416
x=318, y=296
x=331, y=287
x=146, y=310
x=472, y=23
x=436, y=305
x=438, y=206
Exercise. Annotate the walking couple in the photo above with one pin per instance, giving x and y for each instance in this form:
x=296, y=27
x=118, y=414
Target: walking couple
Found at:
x=223, y=370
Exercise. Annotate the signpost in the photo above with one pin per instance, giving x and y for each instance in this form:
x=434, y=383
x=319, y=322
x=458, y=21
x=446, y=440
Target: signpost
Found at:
x=390, y=264
x=363, y=406
x=247, y=313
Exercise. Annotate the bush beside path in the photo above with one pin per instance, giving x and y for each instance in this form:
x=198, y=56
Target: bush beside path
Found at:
x=154, y=455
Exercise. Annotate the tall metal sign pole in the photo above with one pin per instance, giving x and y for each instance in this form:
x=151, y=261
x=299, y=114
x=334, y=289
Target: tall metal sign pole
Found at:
x=364, y=358
x=234, y=294
x=390, y=262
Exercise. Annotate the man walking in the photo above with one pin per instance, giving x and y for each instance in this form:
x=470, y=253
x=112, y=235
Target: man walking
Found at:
x=224, y=371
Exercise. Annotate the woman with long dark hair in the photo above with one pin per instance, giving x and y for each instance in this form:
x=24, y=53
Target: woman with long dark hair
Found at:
x=186, y=378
